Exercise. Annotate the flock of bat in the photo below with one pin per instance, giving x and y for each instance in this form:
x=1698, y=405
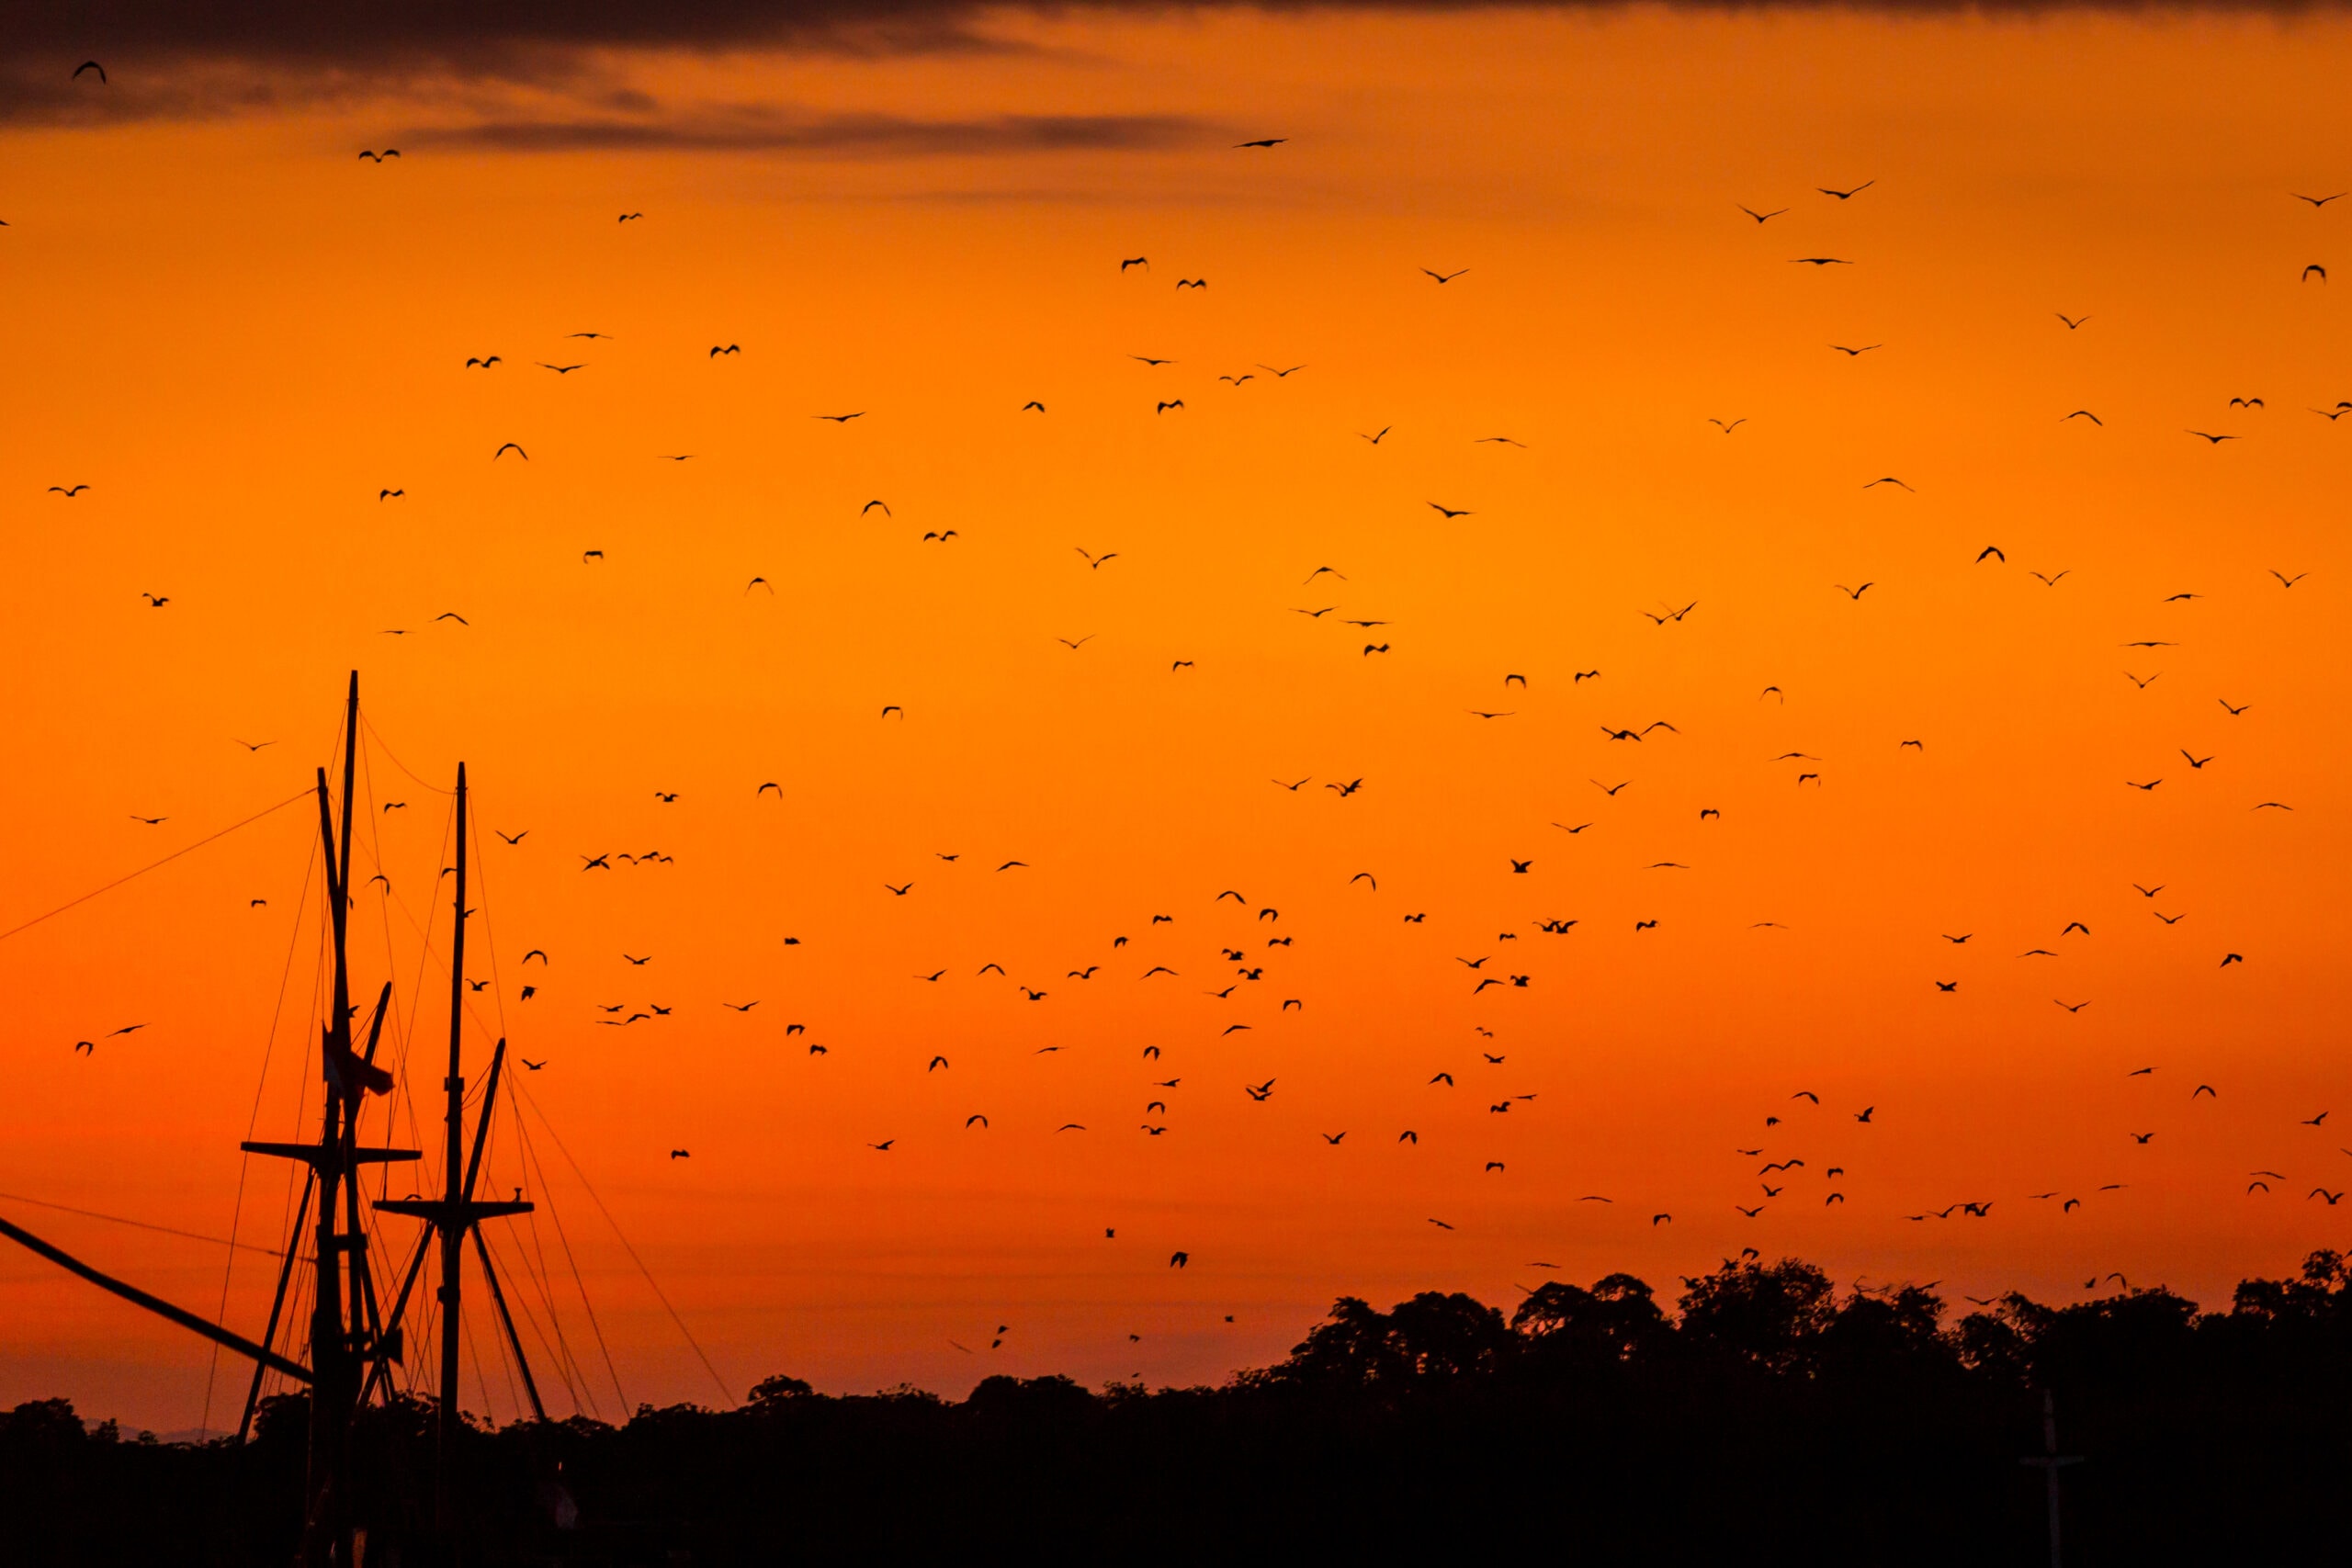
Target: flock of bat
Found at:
x=1249, y=961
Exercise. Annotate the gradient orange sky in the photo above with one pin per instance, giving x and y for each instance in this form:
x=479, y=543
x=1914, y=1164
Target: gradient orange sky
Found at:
x=236, y=335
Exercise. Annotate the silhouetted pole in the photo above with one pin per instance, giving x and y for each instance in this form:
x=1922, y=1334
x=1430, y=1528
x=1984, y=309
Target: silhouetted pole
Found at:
x=326, y=1299
x=155, y=1304
x=482, y=1247
x=379, y=1373
x=277, y=1305
x=513, y=1340
x=363, y=1283
x=454, y=1212
x=453, y=1231
x=2051, y=1462
x=333, y=1382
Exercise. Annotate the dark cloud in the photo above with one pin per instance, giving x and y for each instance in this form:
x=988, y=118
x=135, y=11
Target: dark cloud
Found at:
x=482, y=34
x=173, y=59
x=176, y=59
x=487, y=36
x=848, y=135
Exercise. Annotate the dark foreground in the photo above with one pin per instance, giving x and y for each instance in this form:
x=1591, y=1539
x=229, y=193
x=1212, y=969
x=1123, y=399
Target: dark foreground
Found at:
x=1769, y=1420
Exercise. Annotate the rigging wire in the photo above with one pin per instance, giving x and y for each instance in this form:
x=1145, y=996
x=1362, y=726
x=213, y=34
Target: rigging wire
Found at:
x=298, y=1284
x=253, y=1121
x=403, y=1026
x=403, y=1043
x=301, y=1282
x=572, y=1261
x=506, y=1362
x=427, y=956
x=321, y=976
x=545, y=1279
x=290, y=1205
x=555, y=1358
x=490, y=936
x=129, y=876
x=492, y=1149
x=391, y=897
x=575, y=1378
x=632, y=1255
x=542, y=1278
x=378, y=736
x=142, y=1224
x=402, y=1031
x=473, y=1354
x=424, y=933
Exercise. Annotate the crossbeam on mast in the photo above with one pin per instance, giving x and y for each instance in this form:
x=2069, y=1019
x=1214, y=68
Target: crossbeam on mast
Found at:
x=310, y=1154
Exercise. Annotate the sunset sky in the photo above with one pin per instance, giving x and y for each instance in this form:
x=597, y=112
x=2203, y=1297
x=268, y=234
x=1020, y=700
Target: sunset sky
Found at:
x=237, y=333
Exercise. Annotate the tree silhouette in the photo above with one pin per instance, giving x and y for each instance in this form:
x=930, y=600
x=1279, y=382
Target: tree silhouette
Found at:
x=1564, y=1325
x=1770, y=1416
x=1774, y=1316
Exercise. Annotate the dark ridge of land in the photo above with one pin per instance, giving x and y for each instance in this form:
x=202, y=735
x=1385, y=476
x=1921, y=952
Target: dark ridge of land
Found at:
x=1768, y=1420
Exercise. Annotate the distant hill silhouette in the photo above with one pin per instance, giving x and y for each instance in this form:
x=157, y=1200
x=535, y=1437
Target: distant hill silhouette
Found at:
x=1769, y=1418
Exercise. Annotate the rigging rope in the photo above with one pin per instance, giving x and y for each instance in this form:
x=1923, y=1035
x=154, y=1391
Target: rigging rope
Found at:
x=563, y=1237
x=555, y=1357
x=632, y=1255
x=376, y=735
x=142, y=1224
x=542, y=1278
x=253, y=1121
x=143, y=870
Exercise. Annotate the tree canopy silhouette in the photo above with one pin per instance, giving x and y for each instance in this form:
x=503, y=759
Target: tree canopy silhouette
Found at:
x=1770, y=1416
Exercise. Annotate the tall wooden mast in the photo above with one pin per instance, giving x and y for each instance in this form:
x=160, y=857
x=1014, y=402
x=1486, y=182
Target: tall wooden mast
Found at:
x=453, y=1237
x=343, y=1335
x=335, y=1387
x=348, y=1336
x=455, y=1213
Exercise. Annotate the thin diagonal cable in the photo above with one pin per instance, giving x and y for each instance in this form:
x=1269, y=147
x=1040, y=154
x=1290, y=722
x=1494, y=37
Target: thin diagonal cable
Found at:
x=506, y=1357
x=424, y=956
x=390, y=897
x=245, y=1165
x=426, y=953
x=402, y=1028
x=424, y=932
x=554, y=1359
x=370, y=1220
x=633, y=1257
x=490, y=940
x=299, y=1293
x=129, y=876
x=142, y=1224
x=542, y=1278
x=378, y=736
x=579, y=1284
x=473, y=1354
x=572, y=1261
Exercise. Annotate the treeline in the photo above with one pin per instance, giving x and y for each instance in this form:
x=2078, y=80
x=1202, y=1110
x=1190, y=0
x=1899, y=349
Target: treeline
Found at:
x=1768, y=1417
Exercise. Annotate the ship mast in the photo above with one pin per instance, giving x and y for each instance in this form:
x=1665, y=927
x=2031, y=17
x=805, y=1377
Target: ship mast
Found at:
x=453, y=1237
x=335, y=1387
x=456, y=1213
x=344, y=1333
x=353, y=1344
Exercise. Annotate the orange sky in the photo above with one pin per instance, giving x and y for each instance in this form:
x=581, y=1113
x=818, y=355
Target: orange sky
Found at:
x=236, y=335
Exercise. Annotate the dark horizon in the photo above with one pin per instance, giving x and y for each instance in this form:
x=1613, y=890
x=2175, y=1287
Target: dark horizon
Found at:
x=1803, y=1291
x=1769, y=1412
